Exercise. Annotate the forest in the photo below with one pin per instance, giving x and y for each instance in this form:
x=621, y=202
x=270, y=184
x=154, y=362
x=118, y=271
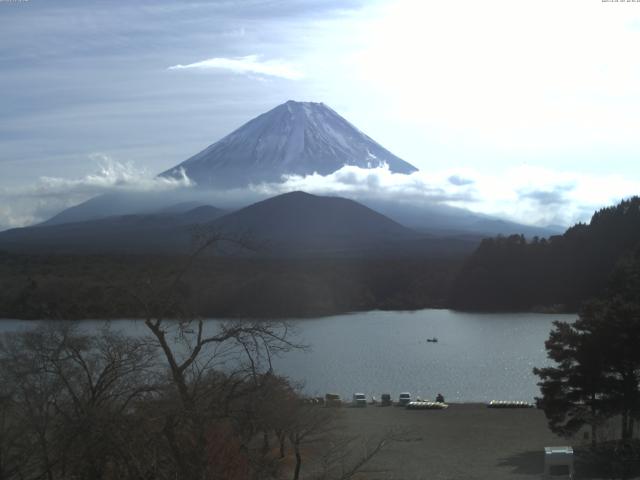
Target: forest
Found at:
x=510, y=273
x=556, y=274
x=86, y=286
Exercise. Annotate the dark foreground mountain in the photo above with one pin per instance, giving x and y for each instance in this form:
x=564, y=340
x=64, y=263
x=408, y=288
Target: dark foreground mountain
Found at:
x=126, y=203
x=511, y=273
x=299, y=138
x=298, y=223
x=167, y=231
x=433, y=219
x=292, y=224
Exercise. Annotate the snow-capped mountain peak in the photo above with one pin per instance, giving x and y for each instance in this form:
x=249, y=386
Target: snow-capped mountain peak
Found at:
x=293, y=138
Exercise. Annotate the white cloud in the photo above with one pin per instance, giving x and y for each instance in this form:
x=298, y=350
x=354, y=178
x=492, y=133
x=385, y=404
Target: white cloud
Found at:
x=250, y=64
x=525, y=194
x=21, y=206
x=529, y=195
x=379, y=182
x=111, y=175
x=545, y=196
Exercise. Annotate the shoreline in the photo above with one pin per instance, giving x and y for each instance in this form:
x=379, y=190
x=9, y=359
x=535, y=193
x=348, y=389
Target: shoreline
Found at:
x=309, y=316
x=477, y=358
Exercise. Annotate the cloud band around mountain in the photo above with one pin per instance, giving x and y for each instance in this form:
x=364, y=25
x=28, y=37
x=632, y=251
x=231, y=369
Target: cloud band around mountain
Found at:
x=30, y=204
x=528, y=195
x=523, y=194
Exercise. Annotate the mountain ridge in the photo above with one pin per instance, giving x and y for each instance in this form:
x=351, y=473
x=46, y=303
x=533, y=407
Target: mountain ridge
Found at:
x=299, y=222
x=294, y=224
x=294, y=138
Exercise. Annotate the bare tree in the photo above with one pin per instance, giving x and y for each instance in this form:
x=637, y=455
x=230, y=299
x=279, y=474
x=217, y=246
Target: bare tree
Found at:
x=309, y=424
x=215, y=367
x=71, y=394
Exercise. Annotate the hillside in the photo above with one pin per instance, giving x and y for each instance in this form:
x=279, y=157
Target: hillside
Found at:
x=168, y=231
x=299, y=223
x=291, y=224
x=511, y=273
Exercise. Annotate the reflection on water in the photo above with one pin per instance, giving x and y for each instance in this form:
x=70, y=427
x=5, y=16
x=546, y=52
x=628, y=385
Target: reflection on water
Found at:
x=478, y=357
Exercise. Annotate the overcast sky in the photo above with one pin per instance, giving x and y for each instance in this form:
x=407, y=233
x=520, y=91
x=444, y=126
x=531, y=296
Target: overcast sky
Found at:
x=532, y=107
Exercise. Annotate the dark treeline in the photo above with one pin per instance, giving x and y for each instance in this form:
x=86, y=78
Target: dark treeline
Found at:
x=91, y=286
x=504, y=274
x=511, y=273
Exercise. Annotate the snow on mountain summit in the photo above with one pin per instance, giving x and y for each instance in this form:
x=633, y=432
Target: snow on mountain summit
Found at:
x=293, y=138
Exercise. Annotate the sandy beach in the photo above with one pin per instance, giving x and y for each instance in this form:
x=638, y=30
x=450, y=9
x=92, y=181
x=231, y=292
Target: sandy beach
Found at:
x=466, y=441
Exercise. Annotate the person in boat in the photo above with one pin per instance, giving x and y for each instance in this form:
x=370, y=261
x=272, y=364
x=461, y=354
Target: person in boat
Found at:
x=440, y=398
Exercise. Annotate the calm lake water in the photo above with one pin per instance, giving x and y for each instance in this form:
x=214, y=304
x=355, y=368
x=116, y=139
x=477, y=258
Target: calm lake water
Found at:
x=478, y=357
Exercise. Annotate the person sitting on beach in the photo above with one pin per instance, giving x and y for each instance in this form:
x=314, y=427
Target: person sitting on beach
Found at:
x=439, y=398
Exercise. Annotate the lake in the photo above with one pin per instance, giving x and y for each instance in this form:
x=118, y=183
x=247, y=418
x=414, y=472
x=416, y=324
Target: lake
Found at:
x=478, y=357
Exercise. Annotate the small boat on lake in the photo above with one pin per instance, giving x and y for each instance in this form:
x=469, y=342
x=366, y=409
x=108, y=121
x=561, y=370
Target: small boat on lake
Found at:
x=432, y=340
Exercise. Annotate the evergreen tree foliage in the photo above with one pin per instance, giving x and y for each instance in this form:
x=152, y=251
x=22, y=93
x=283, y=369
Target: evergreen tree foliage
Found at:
x=511, y=273
x=596, y=375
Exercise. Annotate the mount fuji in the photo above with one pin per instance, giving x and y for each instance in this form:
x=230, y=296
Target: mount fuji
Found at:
x=295, y=138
